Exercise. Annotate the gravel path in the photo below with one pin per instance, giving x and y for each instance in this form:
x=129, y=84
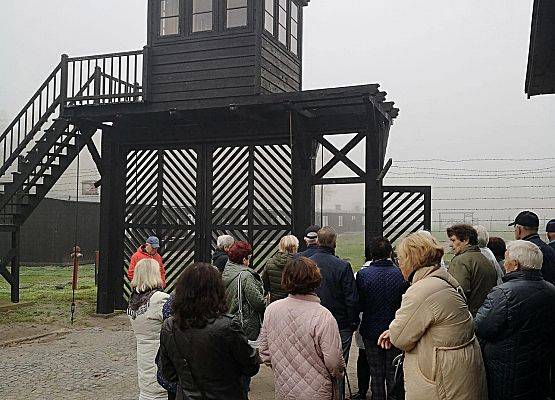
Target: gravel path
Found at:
x=92, y=363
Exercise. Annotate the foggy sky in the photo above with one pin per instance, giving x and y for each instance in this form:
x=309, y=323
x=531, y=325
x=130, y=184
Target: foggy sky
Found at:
x=455, y=69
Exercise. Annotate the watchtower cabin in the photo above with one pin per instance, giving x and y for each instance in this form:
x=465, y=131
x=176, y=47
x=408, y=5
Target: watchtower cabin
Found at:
x=209, y=49
x=205, y=131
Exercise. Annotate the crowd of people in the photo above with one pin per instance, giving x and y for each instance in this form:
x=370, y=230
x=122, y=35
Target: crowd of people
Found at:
x=477, y=326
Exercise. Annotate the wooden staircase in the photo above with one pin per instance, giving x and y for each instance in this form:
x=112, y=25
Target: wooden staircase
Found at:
x=33, y=158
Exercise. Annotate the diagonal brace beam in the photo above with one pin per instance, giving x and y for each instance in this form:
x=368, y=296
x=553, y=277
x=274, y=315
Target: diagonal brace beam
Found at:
x=95, y=155
x=3, y=270
x=340, y=155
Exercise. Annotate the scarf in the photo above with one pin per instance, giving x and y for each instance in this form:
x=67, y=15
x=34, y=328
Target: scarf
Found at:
x=139, y=303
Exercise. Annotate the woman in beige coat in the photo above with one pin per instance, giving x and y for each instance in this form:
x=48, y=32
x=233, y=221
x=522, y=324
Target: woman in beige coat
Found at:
x=433, y=326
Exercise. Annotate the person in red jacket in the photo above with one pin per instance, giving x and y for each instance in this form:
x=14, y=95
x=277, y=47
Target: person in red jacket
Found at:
x=147, y=250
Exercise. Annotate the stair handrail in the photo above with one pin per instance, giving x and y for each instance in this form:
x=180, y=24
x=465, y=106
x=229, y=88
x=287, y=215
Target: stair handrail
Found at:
x=13, y=133
x=30, y=102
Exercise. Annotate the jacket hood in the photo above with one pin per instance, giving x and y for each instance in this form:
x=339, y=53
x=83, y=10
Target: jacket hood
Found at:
x=218, y=253
x=231, y=271
x=281, y=258
x=434, y=271
x=142, y=249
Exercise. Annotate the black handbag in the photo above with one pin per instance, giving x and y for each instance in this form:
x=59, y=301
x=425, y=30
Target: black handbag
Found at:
x=398, y=387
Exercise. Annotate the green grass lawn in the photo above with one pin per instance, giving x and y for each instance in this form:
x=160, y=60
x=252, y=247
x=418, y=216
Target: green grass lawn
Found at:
x=350, y=246
x=49, y=288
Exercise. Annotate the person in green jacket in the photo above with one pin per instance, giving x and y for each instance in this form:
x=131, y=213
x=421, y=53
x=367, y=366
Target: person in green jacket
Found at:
x=273, y=270
x=250, y=310
x=237, y=272
x=473, y=271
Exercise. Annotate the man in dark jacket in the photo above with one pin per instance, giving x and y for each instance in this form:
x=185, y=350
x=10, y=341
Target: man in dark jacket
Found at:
x=338, y=292
x=550, y=233
x=380, y=287
x=311, y=240
x=473, y=271
x=219, y=258
x=515, y=327
x=526, y=228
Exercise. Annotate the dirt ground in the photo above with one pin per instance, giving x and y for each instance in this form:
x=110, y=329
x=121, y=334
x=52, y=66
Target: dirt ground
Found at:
x=87, y=362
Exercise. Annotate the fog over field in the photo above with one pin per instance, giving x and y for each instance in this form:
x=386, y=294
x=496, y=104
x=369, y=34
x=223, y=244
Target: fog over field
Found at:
x=455, y=69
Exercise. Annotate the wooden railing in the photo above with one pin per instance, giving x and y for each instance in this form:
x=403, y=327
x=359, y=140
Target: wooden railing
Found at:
x=105, y=78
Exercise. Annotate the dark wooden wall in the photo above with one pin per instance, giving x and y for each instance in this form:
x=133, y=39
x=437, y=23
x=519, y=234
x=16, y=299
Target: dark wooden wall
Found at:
x=206, y=68
x=280, y=71
x=48, y=236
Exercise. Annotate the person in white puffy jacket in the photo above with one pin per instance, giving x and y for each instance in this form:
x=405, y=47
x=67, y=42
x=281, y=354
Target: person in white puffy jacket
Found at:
x=145, y=313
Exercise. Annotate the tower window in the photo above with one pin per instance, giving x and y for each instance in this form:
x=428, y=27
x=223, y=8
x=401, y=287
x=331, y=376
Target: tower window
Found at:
x=236, y=13
x=169, y=17
x=282, y=22
x=293, y=44
x=202, y=15
x=269, y=16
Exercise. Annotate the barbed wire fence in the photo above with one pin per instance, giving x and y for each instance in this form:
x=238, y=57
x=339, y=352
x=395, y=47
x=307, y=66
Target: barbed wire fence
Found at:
x=491, y=196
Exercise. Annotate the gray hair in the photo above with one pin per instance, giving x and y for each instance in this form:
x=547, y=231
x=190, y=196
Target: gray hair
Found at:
x=483, y=235
x=527, y=254
x=147, y=275
x=224, y=241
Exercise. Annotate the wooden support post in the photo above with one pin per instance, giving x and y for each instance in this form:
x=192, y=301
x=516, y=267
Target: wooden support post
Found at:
x=373, y=187
x=110, y=270
x=105, y=295
x=97, y=84
x=303, y=165
x=15, y=266
x=63, y=82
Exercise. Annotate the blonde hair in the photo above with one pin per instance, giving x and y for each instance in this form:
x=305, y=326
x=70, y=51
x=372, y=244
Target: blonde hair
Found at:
x=147, y=275
x=289, y=244
x=419, y=250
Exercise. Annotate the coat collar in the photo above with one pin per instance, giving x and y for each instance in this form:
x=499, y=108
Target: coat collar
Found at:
x=524, y=274
x=327, y=250
x=305, y=297
x=386, y=262
x=532, y=236
x=467, y=248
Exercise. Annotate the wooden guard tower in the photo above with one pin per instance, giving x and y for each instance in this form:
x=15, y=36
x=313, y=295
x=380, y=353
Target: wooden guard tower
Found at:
x=204, y=131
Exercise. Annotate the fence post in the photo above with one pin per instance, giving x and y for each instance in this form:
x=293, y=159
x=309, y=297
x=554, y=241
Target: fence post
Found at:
x=15, y=266
x=96, y=260
x=97, y=82
x=63, y=82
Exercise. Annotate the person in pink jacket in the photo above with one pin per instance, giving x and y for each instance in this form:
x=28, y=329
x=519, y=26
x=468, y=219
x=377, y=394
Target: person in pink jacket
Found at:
x=300, y=339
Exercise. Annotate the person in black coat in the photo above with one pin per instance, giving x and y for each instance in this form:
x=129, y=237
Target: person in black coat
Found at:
x=515, y=326
x=311, y=241
x=550, y=233
x=338, y=291
x=220, y=257
x=202, y=348
x=526, y=228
